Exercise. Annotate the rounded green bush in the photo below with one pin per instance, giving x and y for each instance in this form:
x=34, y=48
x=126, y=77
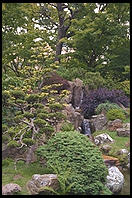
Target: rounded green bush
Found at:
x=113, y=114
x=84, y=158
x=105, y=107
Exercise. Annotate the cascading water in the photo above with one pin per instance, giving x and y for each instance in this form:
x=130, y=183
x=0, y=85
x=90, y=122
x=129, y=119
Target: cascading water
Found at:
x=86, y=127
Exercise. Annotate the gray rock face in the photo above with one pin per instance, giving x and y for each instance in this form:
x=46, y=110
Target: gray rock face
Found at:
x=10, y=189
x=38, y=182
x=103, y=138
x=99, y=121
x=115, y=179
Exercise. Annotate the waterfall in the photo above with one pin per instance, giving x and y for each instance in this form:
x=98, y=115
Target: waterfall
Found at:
x=86, y=127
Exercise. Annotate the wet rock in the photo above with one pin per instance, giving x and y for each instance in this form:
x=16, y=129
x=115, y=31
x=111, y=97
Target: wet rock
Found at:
x=99, y=122
x=103, y=138
x=38, y=182
x=113, y=125
x=115, y=179
x=10, y=189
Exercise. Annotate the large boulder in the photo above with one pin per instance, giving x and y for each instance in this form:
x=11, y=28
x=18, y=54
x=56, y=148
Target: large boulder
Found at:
x=115, y=179
x=10, y=189
x=115, y=124
x=103, y=138
x=38, y=182
x=99, y=122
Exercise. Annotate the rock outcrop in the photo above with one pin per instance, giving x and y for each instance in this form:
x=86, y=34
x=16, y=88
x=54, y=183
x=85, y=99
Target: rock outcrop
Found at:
x=115, y=179
x=38, y=182
x=10, y=189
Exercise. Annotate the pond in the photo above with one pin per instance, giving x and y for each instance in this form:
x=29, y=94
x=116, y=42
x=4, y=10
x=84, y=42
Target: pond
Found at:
x=126, y=188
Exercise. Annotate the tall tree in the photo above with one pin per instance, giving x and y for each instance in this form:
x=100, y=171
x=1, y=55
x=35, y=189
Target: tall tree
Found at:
x=57, y=17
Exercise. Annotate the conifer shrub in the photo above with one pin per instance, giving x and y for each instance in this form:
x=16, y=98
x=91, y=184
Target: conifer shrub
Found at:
x=105, y=107
x=113, y=114
x=101, y=95
x=88, y=171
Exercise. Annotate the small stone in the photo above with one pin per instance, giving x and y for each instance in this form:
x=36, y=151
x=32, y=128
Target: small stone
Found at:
x=123, y=132
x=106, y=148
x=38, y=182
x=10, y=189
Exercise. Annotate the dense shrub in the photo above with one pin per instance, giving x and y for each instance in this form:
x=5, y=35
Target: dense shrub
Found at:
x=113, y=114
x=104, y=107
x=101, y=95
x=88, y=169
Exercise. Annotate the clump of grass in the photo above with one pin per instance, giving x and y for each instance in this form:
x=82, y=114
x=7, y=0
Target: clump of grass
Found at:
x=119, y=142
x=25, y=171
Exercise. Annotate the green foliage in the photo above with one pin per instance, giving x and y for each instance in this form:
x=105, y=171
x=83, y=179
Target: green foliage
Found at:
x=28, y=115
x=6, y=161
x=18, y=118
x=67, y=126
x=56, y=106
x=64, y=189
x=18, y=94
x=28, y=141
x=40, y=122
x=88, y=170
x=104, y=107
x=113, y=114
x=93, y=79
x=13, y=144
x=4, y=127
x=32, y=98
x=125, y=86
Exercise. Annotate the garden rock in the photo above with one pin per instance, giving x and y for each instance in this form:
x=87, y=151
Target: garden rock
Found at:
x=106, y=148
x=103, y=138
x=99, y=122
x=115, y=179
x=122, y=151
x=73, y=116
x=38, y=182
x=123, y=132
x=10, y=189
x=128, y=165
x=110, y=161
x=115, y=124
x=76, y=88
